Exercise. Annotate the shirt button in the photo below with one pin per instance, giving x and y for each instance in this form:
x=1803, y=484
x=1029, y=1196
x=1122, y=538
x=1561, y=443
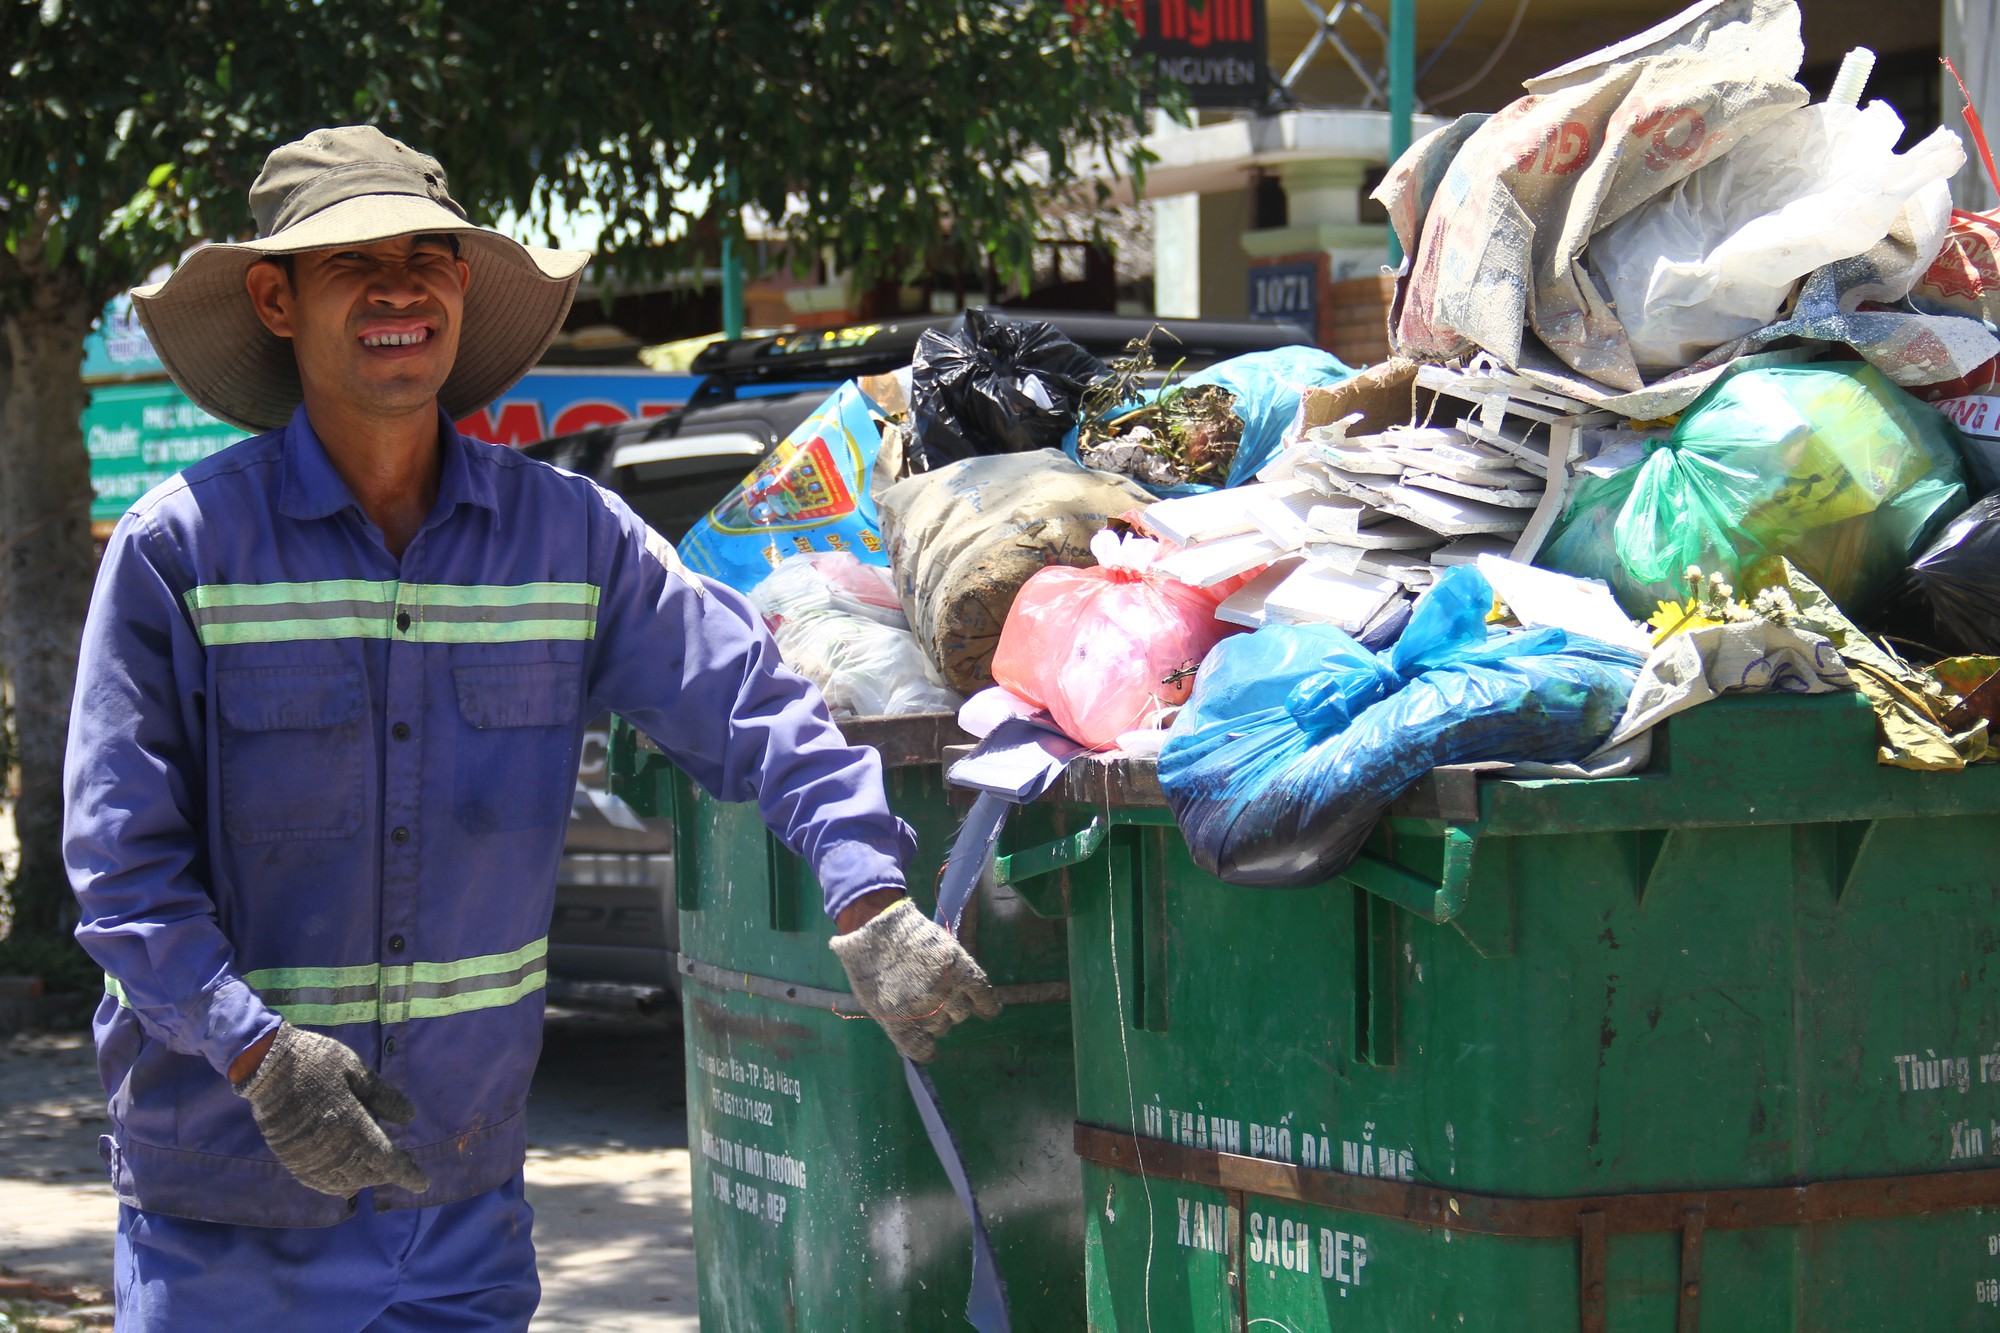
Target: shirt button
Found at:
x=401, y=731
x=388, y=1046
x=395, y=944
x=402, y=620
x=399, y=835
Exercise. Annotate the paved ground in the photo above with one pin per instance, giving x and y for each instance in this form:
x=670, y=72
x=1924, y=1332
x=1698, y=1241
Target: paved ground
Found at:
x=607, y=1175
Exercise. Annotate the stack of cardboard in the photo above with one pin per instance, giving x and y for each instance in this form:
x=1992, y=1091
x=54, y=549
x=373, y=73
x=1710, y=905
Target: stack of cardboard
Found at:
x=1346, y=526
x=1270, y=526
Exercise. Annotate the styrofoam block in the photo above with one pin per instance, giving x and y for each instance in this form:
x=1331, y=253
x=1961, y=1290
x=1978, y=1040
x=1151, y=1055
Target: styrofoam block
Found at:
x=1411, y=570
x=1461, y=449
x=1283, y=518
x=1366, y=462
x=1340, y=516
x=1188, y=519
x=1467, y=550
x=1334, y=555
x=1450, y=516
x=1209, y=563
x=1315, y=595
x=1392, y=534
x=1530, y=449
x=1579, y=606
x=1369, y=489
x=1245, y=606
x=1504, y=497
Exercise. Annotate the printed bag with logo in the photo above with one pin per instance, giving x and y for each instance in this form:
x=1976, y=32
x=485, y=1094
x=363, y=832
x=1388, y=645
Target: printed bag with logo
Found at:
x=809, y=495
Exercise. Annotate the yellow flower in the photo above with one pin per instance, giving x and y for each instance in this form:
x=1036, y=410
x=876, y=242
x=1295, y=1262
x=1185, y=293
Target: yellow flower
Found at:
x=1674, y=618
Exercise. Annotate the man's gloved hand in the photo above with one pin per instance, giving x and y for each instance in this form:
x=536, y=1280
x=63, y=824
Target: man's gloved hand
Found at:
x=313, y=1100
x=914, y=978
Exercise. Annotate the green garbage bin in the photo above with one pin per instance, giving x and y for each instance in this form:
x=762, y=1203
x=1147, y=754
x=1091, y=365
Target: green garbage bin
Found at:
x=1712, y=1047
x=818, y=1202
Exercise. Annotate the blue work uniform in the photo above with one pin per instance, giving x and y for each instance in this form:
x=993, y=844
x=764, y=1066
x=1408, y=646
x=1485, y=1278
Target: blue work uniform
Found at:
x=309, y=779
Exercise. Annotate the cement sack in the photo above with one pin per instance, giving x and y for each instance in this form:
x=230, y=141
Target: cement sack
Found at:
x=963, y=538
x=1507, y=205
x=1716, y=257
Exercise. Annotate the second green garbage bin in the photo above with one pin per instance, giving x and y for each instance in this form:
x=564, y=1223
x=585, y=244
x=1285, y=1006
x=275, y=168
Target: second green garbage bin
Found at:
x=1712, y=1047
x=818, y=1203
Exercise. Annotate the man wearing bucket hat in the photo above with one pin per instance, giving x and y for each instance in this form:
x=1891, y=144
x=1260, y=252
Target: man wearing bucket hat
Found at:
x=328, y=710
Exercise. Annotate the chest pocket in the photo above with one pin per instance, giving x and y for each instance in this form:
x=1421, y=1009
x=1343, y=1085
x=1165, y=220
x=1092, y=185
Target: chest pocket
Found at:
x=292, y=752
x=516, y=766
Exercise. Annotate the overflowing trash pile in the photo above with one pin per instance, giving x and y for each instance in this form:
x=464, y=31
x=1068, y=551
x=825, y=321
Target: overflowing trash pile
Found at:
x=1696, y=391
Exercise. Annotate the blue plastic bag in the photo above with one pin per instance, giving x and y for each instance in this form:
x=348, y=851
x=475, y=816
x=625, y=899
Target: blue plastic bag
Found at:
x=809, y=494
x=1268, y=386
x=1297, y=738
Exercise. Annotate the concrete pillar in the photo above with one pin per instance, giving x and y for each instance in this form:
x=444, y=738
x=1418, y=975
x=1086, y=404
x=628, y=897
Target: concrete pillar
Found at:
x=1177, y=256
x=1325, y=192
x=1225, y=269
x=1323, y=212
x=1325, y=245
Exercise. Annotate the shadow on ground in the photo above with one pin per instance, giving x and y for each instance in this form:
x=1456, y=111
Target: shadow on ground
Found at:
x=608, y=1175
x=608, y=1079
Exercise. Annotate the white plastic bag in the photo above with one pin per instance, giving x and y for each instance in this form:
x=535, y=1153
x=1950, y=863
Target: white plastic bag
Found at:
x=1716, y=257
x=828, y=615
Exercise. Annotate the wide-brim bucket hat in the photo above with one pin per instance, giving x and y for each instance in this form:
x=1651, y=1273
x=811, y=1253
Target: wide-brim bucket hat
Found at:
x=350, y=185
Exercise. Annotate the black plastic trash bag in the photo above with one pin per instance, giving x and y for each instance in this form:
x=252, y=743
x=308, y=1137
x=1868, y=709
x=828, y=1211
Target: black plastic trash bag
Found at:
x=1959, y=576
x=1297, y=738
x=994, y=385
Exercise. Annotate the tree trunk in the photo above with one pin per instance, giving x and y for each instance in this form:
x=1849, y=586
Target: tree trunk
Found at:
x=46, y=567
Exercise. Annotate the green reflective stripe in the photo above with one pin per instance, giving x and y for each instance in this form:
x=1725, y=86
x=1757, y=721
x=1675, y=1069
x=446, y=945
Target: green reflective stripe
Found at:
x=315, y=1014
x=328, y=1015
x=279, y=997
x=484, y=965
x=294, y=631
x=212, y=595
x=432, y=990
x=490, y=993
x=489, y=615
x=280, y=612
x=452, y=998
x=485, y=999
x=514, y=632
x=226, y=613
x=502, y=594
x=500, y=613
x=236, y=613
x=368, y=993
x=312, y=978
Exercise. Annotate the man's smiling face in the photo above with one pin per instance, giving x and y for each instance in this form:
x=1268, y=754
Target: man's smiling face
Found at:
x=374, y=326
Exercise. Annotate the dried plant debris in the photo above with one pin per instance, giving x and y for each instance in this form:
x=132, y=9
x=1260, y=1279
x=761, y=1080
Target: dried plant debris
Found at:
x=1182, y=436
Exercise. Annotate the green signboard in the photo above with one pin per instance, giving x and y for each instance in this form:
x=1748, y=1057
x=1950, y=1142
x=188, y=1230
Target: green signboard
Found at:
x=117, y=348
x=141, y=434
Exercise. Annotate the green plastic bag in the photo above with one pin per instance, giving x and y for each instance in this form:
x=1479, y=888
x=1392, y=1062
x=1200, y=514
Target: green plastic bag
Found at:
x=1831, y=466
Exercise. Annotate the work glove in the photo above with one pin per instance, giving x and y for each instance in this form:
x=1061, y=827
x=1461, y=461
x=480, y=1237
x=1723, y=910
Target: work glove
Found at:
x=315, y=1101
x=914, y=978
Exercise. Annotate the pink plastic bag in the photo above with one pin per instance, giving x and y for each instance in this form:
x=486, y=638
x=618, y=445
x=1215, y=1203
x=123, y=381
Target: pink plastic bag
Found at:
x=1110, y=649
